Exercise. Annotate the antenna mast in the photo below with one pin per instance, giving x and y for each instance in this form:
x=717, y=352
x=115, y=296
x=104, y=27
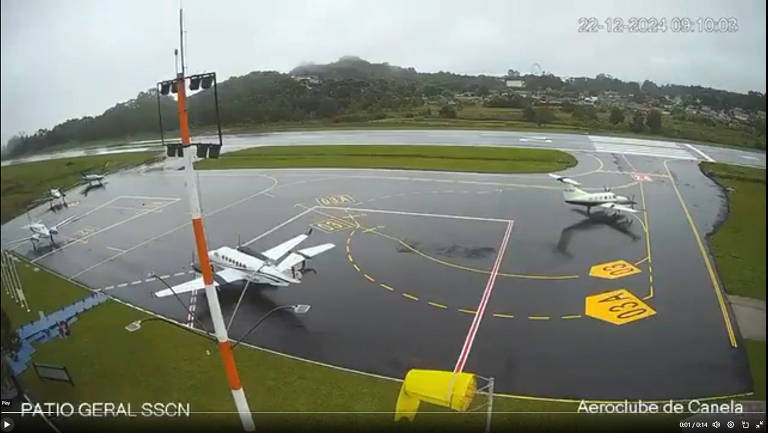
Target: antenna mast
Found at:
x=181, y=39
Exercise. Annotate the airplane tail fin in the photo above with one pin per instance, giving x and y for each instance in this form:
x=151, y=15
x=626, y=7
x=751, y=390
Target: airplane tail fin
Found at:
x=571, y=192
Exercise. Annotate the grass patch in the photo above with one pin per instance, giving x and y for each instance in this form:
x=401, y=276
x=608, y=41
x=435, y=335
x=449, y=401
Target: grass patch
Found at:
x=22, y=184
x=446, y=158
x=738, y=245
x=43, y=291
x=163, y=362
x=756, y=354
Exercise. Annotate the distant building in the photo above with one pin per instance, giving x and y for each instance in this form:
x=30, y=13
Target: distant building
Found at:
x=307, y=81
x=514, y=83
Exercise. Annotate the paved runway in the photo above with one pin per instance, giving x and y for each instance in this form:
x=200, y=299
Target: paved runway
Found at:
x=572, y=142
x=413, y=255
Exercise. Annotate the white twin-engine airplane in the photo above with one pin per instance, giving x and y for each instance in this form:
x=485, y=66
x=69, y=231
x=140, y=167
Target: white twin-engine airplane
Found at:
x=241, y=264
x=604, y=199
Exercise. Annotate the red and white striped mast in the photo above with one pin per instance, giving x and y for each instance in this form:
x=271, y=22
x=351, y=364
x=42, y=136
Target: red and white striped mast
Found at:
x=193, y=192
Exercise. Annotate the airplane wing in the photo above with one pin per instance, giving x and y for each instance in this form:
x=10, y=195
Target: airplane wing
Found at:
x=297, y=257
x=564, y=179
x=618, y=207
x=275, y=253
x=227, y=275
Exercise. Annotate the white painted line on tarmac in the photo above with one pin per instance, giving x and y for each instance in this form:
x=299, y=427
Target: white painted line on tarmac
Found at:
x=434, y=215
x=704, y=155
x=109, y=227
x=464, y=354
x=283, y=224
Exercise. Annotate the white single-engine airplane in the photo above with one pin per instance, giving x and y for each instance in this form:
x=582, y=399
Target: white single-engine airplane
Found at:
x=52, y=195
x=40, y=230
x=276, y=266
x=604, y=199
x=94, y=177
x=90, y=178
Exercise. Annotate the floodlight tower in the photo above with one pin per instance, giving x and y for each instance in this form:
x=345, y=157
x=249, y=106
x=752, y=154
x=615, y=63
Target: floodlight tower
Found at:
x=201, y=246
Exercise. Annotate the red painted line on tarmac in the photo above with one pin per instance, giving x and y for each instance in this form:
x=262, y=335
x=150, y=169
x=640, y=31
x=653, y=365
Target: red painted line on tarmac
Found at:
x=483, y=302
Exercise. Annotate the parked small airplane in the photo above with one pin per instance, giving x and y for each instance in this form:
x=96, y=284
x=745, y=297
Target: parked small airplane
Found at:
x=276, y=266
x=605, y=199
x=94, y=177
x=51, y=196
x=40, y=230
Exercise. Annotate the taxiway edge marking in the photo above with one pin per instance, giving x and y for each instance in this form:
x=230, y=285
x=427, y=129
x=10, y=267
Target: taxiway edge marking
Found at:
x=705, y=256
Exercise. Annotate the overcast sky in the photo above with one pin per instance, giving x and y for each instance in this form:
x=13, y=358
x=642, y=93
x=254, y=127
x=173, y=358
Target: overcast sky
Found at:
x=65, y=59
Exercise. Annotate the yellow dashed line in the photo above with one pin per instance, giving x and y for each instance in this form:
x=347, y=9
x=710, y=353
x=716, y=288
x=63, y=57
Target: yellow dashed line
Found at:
x=650, y=295
x=539, y=317
x=503, y=316
x=357, y=268
x=348, y=249
x=369, y=278
x=349, y=257
x=571, y=316
x=435, y=304
x=387, y=287
x=464, y=310
x=409, y=296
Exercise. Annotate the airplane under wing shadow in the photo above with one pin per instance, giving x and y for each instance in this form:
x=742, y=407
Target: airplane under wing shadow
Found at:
x=254, y=304
x=614, y=221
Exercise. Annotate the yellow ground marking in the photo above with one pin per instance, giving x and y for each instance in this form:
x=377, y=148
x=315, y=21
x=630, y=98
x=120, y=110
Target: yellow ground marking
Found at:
x=336, y=199
x=435, y=304
x=647, y=243
x=368, y=230
x=617, y=306
x=613, y=270
x=347, y=248
x=349, y=257
x=467, y=310
x=387, y=287
x=331, y=225
x=471, y=269
x=710, y=268
x=369, y=278
x=409, y=296
x=571, y=316
x=641, y=261
x=357, y=268
x=650, y=293
x=539, y=317
x=503, y=315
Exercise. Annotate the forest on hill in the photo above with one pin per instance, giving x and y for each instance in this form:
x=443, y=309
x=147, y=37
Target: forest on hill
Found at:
x=348, y=90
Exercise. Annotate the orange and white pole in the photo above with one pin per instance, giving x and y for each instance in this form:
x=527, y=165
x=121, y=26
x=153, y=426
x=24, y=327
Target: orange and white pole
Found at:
x=201, y=246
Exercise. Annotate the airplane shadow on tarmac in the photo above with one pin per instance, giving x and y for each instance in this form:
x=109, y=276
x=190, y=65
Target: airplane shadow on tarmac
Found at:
x=90, y=187
x=618, y=222
x=255, y=303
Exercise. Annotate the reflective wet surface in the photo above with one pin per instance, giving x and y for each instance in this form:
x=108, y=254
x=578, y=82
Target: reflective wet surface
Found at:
x=412, y=259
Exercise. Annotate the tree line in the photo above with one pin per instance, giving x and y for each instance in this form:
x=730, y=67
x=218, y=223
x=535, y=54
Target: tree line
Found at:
x=348, y=90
